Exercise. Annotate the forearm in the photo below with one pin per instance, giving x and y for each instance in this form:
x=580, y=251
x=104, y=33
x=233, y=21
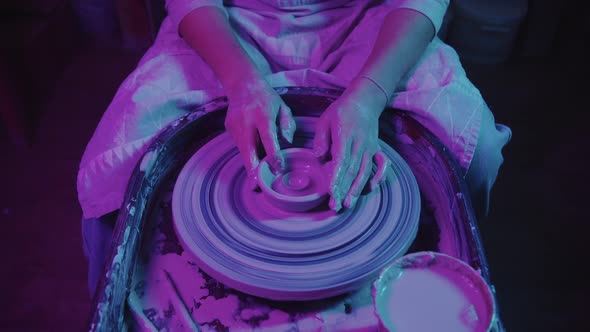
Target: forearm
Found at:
x=402, y=39
x=208, y=32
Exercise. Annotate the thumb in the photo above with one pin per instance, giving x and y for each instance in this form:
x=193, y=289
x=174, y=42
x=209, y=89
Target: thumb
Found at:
x=321, y=140
x=287, y=123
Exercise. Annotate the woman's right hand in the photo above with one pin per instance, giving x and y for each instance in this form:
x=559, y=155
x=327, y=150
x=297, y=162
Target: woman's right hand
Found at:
x=255, y=110
x=255, y=114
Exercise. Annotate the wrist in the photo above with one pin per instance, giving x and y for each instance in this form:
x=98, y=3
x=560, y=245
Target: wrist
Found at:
x=372, y=95
x=372, y=83
x=243, y=84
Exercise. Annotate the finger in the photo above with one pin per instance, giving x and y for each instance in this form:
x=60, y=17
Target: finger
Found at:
x=382, y=165
x=270, y=142
x=341, y=153
x=321, y=139
x=247, y=148
x=353, y=170
x=287, y=123
x=361, y=180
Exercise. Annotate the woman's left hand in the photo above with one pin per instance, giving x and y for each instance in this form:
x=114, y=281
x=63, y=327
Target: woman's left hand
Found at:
x=349, y=131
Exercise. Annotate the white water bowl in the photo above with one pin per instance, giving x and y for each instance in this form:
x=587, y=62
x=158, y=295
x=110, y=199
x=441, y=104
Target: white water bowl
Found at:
x=430, y=291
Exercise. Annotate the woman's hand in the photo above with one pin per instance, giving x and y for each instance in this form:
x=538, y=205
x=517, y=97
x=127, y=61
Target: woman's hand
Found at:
x=349, y=130
x=254, y=107
x=350, y=124
x=255, y=112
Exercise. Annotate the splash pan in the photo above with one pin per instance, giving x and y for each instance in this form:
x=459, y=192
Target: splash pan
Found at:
x=242, y=239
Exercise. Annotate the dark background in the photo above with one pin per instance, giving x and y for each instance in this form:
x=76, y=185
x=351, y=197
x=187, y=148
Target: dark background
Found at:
x=61, y=62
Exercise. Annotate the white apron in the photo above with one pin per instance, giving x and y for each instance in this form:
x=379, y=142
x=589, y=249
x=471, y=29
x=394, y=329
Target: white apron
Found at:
x=293, y=43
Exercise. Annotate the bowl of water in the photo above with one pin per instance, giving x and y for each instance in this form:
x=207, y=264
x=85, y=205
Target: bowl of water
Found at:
x=430, y=291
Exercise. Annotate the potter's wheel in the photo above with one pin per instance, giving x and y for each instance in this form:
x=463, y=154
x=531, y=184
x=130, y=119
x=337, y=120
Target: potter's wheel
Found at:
x=240, y=238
